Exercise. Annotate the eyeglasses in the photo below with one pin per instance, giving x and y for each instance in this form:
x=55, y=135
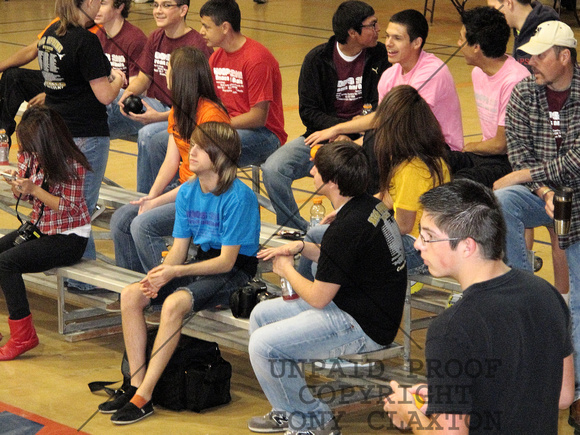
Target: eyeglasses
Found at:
x=372, y=25
x=164, y=5
x=425, y=241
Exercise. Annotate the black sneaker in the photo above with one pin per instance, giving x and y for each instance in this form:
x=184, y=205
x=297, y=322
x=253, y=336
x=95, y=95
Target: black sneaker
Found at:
x=118, y=402
x=131, y=414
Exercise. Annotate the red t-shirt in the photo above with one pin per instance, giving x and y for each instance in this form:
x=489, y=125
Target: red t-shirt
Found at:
x=247, y=77
x=556, y=100
x=155, y=59
x=349, y=98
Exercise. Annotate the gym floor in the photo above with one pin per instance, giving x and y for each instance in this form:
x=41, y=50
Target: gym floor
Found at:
x=50, y=381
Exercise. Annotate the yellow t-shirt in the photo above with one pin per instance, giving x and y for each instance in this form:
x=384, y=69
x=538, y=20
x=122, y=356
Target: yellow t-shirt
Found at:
x=410, y=181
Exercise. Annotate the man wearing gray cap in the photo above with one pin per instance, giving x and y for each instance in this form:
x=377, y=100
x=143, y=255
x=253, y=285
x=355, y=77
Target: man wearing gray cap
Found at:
x=543, y=140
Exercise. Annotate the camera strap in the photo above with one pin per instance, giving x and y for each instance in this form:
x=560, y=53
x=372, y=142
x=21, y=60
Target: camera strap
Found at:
x=44, y=186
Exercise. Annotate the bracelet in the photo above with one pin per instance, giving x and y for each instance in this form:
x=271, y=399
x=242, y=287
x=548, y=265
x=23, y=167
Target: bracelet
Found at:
x=545, y=193
x=301, y=249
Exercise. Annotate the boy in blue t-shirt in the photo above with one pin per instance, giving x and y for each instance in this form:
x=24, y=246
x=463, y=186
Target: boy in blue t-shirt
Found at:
x=219, y=213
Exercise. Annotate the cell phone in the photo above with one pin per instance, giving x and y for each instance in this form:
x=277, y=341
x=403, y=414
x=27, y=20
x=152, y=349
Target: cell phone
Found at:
x=291, y=234
x=8, y=176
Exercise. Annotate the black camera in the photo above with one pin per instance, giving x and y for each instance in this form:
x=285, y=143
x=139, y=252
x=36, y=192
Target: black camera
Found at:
x=244, y=299
x=27, y=231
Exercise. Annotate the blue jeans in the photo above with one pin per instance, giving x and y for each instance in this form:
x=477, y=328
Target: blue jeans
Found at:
x=290, y=162
x=96, y=150
x=415, y=265
x=257, y=145
x=283, y=334
x=140, y=239
x=208, y=291
x=522, y=209
x=307, y=268
x=151, y=140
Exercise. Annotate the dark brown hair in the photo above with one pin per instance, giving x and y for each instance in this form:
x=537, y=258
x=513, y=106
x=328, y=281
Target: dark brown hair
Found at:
x=43, y=132
x=406, y=129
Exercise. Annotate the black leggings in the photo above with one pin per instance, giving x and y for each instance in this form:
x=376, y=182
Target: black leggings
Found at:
x=33, y=256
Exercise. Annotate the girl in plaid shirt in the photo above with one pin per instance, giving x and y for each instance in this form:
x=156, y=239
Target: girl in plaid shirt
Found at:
x=50, y=175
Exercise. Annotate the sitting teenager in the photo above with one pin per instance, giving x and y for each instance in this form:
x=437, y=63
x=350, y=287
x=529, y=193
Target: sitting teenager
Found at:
x=219, y=213
x=411, y=154
x=50, y=175
x=355, y=304
x=139, y=228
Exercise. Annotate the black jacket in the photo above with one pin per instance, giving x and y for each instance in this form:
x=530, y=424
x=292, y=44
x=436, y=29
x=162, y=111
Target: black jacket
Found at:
x=318, y=80
x=540, y=13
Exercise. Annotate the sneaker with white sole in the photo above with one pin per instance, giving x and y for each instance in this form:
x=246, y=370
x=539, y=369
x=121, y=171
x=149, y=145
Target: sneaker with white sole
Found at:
x=329, y=428
x=269, y=423
x=112, y=406
x=130, y=413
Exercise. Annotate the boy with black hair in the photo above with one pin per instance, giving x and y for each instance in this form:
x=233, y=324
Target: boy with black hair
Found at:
x=247, y=80
x=483, y=40
x=336, y=79
x=354, y=304
x=504, y=341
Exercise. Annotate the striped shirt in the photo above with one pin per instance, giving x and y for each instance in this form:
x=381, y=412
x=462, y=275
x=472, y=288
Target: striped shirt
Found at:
x=532, y=145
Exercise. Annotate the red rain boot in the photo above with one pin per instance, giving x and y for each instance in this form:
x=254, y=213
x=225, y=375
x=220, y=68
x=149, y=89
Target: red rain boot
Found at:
x=22, y=338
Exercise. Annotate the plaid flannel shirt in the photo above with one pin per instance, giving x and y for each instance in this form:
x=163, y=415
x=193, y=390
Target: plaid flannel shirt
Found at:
x=531, y=143
x=72, y=210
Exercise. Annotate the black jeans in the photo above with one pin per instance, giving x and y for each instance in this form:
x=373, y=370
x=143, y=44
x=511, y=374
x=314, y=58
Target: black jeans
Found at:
x=16, y=86
x=33, y=256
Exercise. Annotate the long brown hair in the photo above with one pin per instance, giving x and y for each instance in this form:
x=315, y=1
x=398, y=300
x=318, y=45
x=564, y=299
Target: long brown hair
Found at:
x=67, y=11
x=222, y=143
x=406, y=129
x=191, y=79
x=43, y=133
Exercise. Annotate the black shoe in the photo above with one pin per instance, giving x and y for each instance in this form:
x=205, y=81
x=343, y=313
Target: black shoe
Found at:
x=131, y=414
x=111, y=406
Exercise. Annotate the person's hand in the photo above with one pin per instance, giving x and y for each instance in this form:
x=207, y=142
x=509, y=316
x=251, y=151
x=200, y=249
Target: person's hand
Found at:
x=281, y=263
x=329, y=218
x=118, y=73
x=145, y=203
x=320, y=136
x=23, y=186
x=549, y=198
x=157, y=278
x=37, y=100
x=289, y=249
x=400, y=406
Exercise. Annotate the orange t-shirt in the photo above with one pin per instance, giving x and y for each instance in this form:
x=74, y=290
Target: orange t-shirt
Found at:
x=206, y=111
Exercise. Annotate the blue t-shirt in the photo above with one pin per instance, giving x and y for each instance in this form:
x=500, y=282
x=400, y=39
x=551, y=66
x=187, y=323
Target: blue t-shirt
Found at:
x=229, y=219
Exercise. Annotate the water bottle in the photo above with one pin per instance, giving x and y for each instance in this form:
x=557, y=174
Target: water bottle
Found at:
x=317, y=212
x=288, y=293
x=367, y=108
x=4, y=147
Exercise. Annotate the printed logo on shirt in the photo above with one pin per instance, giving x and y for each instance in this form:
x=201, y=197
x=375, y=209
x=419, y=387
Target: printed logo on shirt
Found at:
x=160, y=63
x=203, y=224
x=229, y=80
x=555, y=121
x=349, y=89
x=117, y=61
x=49, y=55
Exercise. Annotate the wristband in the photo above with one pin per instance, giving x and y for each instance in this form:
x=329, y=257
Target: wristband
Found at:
x=545, y=193
x=301, y=249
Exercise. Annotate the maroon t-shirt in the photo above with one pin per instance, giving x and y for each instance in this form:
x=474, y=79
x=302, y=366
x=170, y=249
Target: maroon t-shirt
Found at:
x=556, y=100
x=349, y=99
